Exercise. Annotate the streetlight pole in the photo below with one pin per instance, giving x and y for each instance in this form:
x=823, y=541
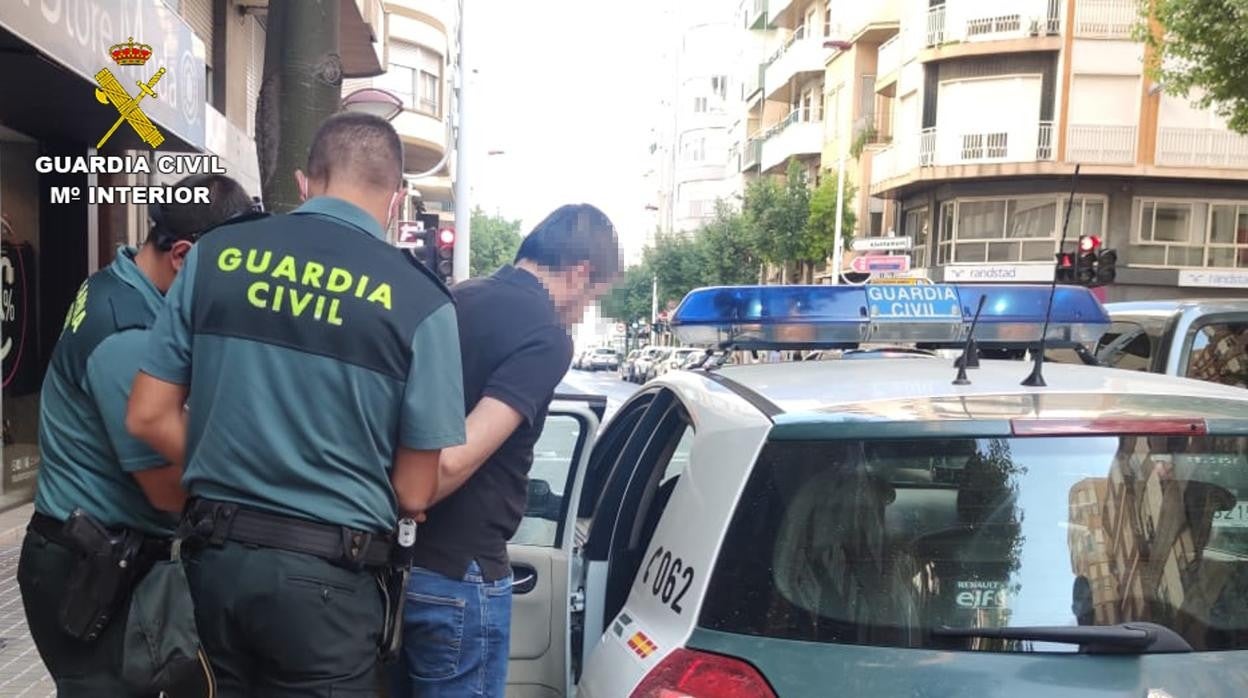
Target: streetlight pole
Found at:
x=839, y=243
x=463, y=208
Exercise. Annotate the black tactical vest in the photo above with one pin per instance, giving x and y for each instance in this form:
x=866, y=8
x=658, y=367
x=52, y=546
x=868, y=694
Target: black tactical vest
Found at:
x=104, y=306
x=306, y=283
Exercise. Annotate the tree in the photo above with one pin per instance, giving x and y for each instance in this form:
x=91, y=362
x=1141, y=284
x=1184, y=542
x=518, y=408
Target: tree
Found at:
x=727, y=250
x=495, y=241
x=776, y=215
x=302, y=87
x=1202, y=46
x=821, y=225
x=676, y=261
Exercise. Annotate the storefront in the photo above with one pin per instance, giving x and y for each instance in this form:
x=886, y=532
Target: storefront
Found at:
x=50, y=53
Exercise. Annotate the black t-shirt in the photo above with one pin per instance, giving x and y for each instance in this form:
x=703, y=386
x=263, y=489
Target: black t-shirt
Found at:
x=515, y=350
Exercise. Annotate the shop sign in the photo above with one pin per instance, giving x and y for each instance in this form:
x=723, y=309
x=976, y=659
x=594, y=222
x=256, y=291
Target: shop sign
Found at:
x=1008, y=273
x=1214, y=278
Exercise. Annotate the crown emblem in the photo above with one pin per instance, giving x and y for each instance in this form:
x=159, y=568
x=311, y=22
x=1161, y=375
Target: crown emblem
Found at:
x=130, y=53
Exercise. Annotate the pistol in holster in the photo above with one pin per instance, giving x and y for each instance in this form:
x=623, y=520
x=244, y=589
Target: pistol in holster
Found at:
x=102, y=576
x=393, y=580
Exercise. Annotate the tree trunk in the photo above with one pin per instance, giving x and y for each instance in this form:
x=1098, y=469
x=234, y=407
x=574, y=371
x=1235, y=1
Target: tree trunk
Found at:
x=302, y=86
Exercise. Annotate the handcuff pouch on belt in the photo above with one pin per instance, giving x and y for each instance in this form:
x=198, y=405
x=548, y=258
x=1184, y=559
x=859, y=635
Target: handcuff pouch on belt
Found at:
x=102, y=577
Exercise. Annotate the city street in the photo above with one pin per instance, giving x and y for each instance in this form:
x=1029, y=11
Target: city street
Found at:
x=606, y=383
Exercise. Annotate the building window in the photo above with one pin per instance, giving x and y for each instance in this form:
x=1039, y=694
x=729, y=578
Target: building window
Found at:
x=827, y=18
x=1192, y=234
x=415, y=76
x=916, y=226
x=699, y=105
x=719, y=86
x=1021, y=229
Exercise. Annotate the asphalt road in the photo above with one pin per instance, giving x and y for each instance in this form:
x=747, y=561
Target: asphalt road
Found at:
x=606, y=383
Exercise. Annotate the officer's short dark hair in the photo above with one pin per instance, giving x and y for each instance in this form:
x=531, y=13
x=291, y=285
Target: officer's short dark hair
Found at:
x=361, y=146
x=173, y=222
x=571, y=235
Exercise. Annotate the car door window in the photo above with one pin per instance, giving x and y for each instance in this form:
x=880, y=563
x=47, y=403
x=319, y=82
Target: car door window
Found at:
x=1219, y=353
x=550, y=480
x=1127, y=345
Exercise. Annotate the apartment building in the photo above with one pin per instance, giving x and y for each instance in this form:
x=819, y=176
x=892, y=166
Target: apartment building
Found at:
x=419, y=64
x=784, y=96
x=990, y=104
x=697, y=145
x=213, y=54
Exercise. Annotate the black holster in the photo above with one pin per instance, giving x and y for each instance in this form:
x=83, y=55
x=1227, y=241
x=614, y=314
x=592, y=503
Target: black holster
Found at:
x=393, y=581
x=107, y=567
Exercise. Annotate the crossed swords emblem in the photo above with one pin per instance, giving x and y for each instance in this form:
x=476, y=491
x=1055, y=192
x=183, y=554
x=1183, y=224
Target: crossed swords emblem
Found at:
x=111, y=90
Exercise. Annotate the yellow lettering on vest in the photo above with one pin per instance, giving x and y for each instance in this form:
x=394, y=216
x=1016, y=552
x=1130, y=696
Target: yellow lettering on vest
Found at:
x=320, y=307
x=334, y=318
x=359, y=288
x=298, y=304
x=286, y=269
x=312, y=274
x=230, y=259
x=258, y=266
x=339, y=280
x=277, y=299
x=253, y=293
x=381, y=295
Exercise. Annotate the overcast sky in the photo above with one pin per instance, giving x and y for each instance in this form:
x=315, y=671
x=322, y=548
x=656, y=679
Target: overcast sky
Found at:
x=567, y=90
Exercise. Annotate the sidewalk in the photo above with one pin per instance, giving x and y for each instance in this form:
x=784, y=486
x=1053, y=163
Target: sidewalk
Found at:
x=21, y=671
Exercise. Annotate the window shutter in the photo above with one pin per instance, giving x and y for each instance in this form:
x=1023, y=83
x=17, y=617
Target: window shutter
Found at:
x=198, y=14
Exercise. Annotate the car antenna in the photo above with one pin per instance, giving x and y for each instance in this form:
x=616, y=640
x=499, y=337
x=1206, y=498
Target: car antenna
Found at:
x=970, y=351
x=1036, y=379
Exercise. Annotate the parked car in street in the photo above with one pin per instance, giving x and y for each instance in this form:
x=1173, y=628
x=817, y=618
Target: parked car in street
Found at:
x=628, y=365
x=652, y=366
x=641, y=367
x=675, y=360
x=1202, y=339
x=579, y=362
x=603, y=359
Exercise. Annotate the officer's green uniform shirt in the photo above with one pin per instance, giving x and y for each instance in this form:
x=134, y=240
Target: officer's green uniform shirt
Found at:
x=312, y=349
x=86, y=456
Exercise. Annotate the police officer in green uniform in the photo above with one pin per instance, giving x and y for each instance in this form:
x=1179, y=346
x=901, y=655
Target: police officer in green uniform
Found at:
x=120, y=488
x=323, y=372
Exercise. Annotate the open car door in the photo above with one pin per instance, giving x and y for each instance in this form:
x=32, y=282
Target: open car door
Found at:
x=542, y=547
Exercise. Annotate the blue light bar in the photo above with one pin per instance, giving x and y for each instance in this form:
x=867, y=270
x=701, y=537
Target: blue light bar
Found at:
x=791, y=317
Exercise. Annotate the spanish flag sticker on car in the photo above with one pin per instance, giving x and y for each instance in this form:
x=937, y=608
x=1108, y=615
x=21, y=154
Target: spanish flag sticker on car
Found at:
x=642, y=645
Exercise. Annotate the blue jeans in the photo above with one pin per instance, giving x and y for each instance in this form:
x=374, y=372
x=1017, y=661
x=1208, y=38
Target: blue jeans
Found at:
x=456, y=636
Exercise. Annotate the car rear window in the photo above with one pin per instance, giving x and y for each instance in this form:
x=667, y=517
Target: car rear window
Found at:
x=879, y=542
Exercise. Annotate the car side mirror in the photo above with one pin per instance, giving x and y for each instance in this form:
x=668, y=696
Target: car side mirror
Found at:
x=543, y=503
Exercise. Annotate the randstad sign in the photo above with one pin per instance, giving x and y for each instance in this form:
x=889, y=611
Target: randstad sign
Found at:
x=79, y=34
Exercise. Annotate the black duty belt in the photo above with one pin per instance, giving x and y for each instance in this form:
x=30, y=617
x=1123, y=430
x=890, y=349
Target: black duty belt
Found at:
x=53, y=529
x=216, y=522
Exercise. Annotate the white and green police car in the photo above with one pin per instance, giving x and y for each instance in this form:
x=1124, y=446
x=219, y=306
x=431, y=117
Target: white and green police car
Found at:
x=874, y=527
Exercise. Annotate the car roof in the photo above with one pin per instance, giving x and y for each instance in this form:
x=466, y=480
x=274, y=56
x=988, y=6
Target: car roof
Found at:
x=839, y=386
x=1198, y=305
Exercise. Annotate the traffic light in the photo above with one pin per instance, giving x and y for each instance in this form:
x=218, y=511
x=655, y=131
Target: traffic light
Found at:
x=1085, y=267
x=420, y=237
x=1106, y=271
x=1065, y=268
x=446, y=255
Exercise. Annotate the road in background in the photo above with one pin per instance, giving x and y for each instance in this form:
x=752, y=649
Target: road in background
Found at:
x=606, y=383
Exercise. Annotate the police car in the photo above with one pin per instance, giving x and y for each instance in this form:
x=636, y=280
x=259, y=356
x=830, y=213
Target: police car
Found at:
x=889, y=526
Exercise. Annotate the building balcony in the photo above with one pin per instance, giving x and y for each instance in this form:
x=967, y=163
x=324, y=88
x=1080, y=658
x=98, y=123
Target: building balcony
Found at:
x=1201, y=147
x=756, y=14
x=440, y=13
x=792, y=137
x=1101, y=145
x=753, y=155
x=869, y=22
x=1106, y=19
x=968, y=146
x=754, y=82
x=961, y=21
x=780, y=13
x=799, y=55
x=424, y=139
x=889, y=60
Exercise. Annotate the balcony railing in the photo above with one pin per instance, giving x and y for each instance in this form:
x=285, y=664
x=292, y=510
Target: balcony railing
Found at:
x=984, y=20
x=753, y=154
x=889, y=60
x=1106, y=145
x=757, y=18
x=1106, y=19
x=1201, y=147
x=798, y=55
x=799, y=133
x=1008, y=143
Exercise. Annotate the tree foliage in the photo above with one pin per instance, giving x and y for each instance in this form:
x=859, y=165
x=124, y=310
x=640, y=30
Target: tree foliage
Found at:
x=493, y=243
x=821, y=226
x=1202, y=50
x=629, y=299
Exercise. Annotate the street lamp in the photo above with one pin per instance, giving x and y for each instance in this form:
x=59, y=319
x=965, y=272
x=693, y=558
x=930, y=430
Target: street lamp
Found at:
x=839, y=243
x=375, y=101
